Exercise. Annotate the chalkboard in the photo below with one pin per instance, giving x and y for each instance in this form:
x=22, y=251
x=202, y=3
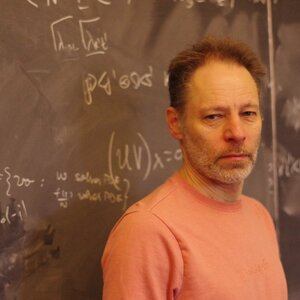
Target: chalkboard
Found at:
x=83, y=135
x=287, y=61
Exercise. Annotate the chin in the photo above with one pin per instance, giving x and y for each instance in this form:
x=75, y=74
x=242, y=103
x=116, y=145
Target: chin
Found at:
x=233, y=176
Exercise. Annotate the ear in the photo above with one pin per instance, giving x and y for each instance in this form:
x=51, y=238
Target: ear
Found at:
x=174, y=122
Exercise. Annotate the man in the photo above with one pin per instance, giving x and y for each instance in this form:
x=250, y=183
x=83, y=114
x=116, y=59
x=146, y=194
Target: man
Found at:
x=196, y=236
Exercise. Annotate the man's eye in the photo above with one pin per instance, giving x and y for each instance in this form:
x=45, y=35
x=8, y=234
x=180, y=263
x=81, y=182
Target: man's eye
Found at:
x=213, y=117
x=249, y=113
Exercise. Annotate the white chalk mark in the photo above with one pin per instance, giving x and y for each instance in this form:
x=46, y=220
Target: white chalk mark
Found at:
x=93, y=45
x=148, y=170
x=32, y=3
x=291, y=113
x=104, y=2
x=6, y=170
x=81, y=7
x=6, y=215
x=110, y=167
x=24, y=207
x=52, y=26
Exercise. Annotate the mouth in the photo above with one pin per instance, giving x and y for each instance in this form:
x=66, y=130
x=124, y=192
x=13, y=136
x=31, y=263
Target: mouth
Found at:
x=236, y=156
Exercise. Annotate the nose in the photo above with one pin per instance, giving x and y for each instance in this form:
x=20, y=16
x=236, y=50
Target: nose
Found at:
x=234, y=131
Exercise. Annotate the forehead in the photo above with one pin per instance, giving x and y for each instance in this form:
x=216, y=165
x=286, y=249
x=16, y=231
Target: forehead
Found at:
x=222, y=83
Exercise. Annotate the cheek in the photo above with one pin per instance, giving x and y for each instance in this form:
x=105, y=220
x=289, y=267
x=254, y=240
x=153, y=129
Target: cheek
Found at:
x=254, y=138
x=257, y=132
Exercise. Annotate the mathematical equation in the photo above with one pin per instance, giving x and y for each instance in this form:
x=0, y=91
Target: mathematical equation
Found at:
x=14, y=212
x=219, y=3
x=124, y=81
x=81, y=4
x=72, y=36
x=93, y=38
x=138, y=157
x=11, y=179
x=105, y=193
x=112, y=186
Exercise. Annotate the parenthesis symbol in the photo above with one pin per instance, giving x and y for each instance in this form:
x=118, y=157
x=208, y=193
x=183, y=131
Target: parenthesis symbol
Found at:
x=148, y=155
x=110, y=169
x=6, y=214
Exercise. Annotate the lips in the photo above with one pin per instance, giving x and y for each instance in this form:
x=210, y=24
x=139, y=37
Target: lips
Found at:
x=236, y=156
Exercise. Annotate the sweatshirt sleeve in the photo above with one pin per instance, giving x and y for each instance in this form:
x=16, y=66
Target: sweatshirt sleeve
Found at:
x=142, y=260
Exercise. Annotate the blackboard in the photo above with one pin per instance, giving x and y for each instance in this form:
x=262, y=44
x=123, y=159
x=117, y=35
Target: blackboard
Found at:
x=287, y=61
x=83, y=94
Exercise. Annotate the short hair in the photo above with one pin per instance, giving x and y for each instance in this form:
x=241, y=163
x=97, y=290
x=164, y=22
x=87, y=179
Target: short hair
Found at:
x=183, y=66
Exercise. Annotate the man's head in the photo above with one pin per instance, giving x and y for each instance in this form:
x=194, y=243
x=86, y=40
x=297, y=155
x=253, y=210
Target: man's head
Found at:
x=183, y=66
x=216, y=114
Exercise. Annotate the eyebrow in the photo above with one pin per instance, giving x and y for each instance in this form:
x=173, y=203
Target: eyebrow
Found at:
x=225, y=108
x=251, y=105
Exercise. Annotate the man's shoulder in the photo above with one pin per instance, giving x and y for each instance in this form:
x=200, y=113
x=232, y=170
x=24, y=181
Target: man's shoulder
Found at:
x=144, y=219
x=155, y=198
x=152, y=209
x=253, y=202
x=258, y=207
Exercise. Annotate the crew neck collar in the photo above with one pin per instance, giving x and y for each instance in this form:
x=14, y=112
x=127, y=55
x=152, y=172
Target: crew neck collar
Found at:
x=223, y=206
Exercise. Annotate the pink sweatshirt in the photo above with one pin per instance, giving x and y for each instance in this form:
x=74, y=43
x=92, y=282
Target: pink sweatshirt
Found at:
x=178, y=244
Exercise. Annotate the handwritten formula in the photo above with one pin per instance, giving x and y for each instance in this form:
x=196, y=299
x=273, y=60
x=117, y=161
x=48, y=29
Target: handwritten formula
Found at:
x=105, y=81
x=93, y=43
x=109, y=186
x=81, y=4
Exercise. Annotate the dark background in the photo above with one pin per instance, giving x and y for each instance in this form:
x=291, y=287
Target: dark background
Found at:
x=83, y=94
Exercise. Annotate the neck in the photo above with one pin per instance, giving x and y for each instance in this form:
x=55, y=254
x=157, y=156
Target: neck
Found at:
x=218, y=191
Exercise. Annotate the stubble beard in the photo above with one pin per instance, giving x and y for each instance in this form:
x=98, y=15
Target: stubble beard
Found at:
x=209, y=164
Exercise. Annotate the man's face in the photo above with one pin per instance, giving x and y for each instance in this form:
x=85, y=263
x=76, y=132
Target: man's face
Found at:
x=221, y=126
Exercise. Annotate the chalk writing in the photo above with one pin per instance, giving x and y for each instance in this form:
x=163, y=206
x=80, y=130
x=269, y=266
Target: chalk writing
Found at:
x=87, y=178
x=80, y=4
x=103, y=196
x=137, y=157
x=106, y=195
x=15, y=212
x=32, y=3
x=48, y=3
x=288, y=165
x=61, y=176
x=104, y=182
x=105, y=2
x=124, y=81
x=291, y=113
x=21, y=181
x=60, y=43
x=63, y=197
x=109, y=187
x=93, y=43
x=15, y=180
x=221, y=3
